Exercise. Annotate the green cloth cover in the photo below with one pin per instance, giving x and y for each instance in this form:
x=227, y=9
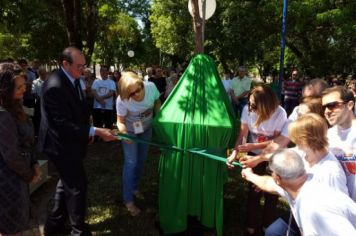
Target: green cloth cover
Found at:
x=197, y=114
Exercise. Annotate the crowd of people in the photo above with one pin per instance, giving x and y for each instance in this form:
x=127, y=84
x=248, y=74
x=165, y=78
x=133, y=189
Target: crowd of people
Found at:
x=72, y=107
x=322, y=128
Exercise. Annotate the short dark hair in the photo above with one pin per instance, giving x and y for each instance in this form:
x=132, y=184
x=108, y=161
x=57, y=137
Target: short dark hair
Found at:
x=104, y=67
x=22, y=61
x=345, y=94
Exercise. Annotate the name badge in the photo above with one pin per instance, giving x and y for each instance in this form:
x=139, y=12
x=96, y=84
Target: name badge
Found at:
x=138, y=127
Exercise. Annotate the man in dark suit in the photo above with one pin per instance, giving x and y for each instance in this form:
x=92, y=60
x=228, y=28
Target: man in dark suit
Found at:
x=63, y=136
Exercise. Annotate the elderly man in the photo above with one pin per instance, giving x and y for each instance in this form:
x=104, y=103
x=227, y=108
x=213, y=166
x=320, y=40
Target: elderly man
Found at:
x=339, y=103
x=63, y=137
x=240, y=87
x=317, y=208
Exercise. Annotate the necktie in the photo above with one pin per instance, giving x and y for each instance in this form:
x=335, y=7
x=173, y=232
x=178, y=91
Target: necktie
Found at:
x=79, y=89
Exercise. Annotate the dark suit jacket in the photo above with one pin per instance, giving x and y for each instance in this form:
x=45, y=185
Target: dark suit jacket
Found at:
x=64, y=129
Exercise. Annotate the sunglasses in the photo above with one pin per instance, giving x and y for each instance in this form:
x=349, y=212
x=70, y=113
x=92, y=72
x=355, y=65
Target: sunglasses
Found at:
x=333, y=105
x=252, y=107
x=137, y=91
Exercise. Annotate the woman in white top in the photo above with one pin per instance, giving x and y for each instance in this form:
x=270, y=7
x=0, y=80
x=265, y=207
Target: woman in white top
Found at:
x=135, y=106
x=308, y=132
x=263, y=118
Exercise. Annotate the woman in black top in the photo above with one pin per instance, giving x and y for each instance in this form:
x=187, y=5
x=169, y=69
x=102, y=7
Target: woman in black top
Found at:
x=17, y=165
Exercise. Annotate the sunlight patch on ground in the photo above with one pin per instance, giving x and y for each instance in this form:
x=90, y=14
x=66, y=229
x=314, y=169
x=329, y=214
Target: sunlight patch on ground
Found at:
x=99, y=214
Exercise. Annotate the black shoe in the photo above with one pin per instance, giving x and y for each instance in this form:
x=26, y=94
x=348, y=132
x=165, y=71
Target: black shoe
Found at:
x=55, y=231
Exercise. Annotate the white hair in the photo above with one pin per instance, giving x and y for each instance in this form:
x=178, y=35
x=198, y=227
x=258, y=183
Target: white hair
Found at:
x=287, y=164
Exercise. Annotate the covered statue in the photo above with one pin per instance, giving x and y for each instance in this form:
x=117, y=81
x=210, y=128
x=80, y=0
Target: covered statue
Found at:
x=197, y=114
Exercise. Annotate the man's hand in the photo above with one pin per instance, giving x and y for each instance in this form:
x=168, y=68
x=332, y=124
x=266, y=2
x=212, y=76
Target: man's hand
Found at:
x=105, y=134
x=246, y=173
x=102, y=103
x=233, y=97
x=100, y=100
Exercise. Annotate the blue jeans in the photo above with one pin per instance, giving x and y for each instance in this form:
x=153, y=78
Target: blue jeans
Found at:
x=280, y=227
x=135, y=155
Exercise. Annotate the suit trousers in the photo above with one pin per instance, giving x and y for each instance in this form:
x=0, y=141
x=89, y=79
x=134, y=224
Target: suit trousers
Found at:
x=70, y=197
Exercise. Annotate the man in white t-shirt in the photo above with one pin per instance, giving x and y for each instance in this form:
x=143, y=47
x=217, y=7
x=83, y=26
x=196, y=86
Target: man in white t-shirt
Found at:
x=103, y=90
x=339, y=103
x=317, y=208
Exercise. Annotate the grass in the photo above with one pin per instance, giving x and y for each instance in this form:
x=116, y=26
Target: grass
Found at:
x=107, y=214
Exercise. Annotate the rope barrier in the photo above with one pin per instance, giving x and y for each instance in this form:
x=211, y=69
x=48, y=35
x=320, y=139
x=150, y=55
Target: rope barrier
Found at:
x=197, y=151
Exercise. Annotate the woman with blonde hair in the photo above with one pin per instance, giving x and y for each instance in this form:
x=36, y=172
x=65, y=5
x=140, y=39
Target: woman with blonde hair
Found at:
x=263, y=118
x=135, y=106
x=309, y=133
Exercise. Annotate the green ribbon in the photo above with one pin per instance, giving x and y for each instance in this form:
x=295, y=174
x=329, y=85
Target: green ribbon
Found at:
x=197, y=151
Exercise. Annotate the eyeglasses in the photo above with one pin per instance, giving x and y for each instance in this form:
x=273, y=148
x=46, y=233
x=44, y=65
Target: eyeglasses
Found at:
x=137, y=91
x=333, y=105
x=252, y=107
x=81, y=66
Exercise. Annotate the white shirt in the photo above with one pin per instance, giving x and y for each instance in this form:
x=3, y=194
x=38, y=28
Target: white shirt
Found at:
x=102, y=88
x=292, y=117
x=320, y=210
x=227, y=84
x=267, y=128
x=240, y=85
x=37, y=87
x=134, y=110
x=328, y=171
x=342, y=144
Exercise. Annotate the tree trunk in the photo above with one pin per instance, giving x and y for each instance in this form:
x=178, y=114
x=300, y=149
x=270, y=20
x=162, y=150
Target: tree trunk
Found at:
x=72, y=12
x=92, y=26
x=197, y=26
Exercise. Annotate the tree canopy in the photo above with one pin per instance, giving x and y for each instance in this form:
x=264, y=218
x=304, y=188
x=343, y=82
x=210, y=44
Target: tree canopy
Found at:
x=321, y=34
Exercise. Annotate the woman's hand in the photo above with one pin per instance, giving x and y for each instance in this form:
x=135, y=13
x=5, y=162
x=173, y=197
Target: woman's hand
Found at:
x=38, y=173
x=250, y=161
x=247, y=147
x=121, y=126
x=231, y=159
